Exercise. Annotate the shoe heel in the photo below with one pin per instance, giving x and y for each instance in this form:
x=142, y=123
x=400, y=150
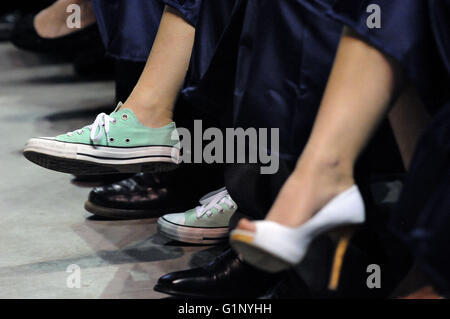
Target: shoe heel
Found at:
x=343, y=237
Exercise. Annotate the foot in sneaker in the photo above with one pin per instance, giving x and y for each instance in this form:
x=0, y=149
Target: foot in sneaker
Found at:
x=205, y=224
x=113, y=143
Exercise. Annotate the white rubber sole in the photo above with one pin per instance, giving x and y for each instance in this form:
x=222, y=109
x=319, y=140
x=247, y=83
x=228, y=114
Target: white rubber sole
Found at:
x=192, y=235
x=81, y=159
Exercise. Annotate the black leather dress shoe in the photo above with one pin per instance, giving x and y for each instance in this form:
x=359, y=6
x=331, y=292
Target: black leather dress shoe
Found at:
x=291, y=286
x=24, y=36
x=227, y=276
x=153, y=195
x=99, y=180
x=141, y=196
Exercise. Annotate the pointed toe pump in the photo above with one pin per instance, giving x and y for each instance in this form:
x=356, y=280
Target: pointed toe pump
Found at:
x=273, y=247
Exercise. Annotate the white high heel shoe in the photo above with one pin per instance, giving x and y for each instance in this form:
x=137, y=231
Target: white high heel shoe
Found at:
x=273, y=247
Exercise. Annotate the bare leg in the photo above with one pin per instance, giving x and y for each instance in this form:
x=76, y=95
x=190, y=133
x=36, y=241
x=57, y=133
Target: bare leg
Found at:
x=52, y=21
x=154, y=96
x=358, y=95
x=408, y=119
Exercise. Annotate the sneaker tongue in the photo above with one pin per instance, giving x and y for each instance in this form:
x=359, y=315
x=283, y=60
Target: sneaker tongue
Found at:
x=209, y=202
x=210, y=196
x=119, y=105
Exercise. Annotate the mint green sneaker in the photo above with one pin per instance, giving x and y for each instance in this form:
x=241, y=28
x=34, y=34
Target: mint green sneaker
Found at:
x=113, y=143
x=205, y=224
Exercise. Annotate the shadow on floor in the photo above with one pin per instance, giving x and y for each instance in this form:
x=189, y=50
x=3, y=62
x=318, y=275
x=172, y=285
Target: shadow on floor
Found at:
x=30, y=59
x=203, y=257
x=78, y=113
x=142, y=252
x=66, y=79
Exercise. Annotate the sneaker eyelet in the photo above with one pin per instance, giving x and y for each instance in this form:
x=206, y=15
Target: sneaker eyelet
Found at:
x=111, y=139
x=127, y=140
x=125, y=117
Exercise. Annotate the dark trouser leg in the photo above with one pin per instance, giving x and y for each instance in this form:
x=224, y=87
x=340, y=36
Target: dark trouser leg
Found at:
x=422, y=218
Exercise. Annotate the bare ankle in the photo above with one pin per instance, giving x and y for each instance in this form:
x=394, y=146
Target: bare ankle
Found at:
x=333, y=171
x=150, y=115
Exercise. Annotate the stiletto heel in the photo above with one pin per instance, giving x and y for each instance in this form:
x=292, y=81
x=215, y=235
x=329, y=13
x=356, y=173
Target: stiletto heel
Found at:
x=274, y=247
x=344, y=237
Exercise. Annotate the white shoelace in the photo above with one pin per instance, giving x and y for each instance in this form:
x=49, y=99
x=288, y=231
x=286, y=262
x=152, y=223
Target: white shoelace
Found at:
x=102, y=120
x=214, y=202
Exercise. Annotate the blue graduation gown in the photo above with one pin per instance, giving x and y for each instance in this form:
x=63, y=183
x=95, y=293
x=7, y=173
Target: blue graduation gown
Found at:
x=128, y=27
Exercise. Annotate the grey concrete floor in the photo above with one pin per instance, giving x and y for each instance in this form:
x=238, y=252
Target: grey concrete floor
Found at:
x=43, y=226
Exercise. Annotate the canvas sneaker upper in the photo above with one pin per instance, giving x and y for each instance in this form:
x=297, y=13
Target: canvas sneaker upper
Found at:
x=215, y=211
x=122, y=129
